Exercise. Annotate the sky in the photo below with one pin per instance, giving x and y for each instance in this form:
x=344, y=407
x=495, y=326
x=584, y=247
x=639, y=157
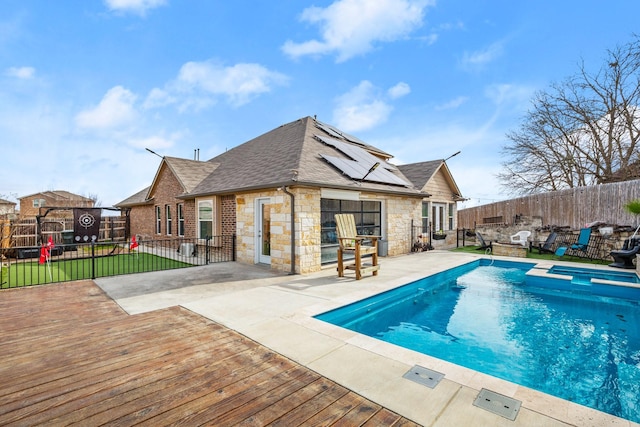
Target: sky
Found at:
x=87, y=86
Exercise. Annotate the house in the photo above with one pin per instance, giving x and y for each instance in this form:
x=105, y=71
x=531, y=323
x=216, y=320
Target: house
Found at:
x=279, y=193
x=30, y=205
x=440, y=209
x=7, y=207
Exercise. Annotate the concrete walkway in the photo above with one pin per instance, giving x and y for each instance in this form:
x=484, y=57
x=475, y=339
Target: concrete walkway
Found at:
x=277, y=311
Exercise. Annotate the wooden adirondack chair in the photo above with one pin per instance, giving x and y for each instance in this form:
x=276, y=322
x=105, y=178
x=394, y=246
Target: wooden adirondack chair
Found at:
x=350, y=241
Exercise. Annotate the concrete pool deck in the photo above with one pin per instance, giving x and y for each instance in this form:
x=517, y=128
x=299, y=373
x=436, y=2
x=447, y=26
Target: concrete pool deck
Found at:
x=277, y=311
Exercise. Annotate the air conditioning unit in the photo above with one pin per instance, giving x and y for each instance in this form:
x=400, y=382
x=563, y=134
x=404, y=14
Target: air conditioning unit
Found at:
x=186, y=249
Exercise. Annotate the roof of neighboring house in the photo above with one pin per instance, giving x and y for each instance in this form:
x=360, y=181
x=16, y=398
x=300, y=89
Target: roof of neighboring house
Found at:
x=293, y=154
x=60, y=195
x=421, y=173
x=7, y=202
x=628, y=173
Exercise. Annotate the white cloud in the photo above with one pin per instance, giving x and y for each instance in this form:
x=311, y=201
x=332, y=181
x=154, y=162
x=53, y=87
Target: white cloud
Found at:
x=454, y=103
x=351, y=27
x=479, y=58
x=21, y=72
x=504, y=93
x=399, y=90
x=139, y=7
x=360, y=109
x=198, y=85
x=114, y=110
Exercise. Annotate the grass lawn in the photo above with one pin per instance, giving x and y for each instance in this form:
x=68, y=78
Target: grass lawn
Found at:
x=33, y=273
x=535, y=255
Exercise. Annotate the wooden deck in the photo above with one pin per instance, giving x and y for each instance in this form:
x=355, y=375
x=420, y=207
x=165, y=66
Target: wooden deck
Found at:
x=69, y=354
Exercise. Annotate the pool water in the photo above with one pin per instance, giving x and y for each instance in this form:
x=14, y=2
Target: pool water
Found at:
x=577, y=346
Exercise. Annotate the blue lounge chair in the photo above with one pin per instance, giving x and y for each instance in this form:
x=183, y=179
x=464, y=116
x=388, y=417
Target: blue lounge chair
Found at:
x=583, y=240
x=560, y=251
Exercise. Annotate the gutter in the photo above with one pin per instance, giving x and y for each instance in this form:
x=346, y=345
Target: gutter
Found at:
x=416, y=194
x=293, y=229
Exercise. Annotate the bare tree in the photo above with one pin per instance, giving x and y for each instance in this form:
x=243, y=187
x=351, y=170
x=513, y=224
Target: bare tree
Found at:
x=578, y=132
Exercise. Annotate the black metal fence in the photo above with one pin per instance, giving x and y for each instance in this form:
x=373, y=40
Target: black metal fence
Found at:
x=36, y=265
x=421, y=238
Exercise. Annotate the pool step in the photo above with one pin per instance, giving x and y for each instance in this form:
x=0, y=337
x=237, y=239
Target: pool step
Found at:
x=581, y=286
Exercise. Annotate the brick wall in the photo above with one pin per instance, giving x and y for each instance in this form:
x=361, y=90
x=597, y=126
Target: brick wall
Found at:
x=164, y=192
x=227, y=215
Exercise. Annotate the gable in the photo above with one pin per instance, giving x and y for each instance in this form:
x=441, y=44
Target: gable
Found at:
x=439, y=188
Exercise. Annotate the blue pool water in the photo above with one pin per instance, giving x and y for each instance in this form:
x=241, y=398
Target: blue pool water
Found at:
x=575, y=345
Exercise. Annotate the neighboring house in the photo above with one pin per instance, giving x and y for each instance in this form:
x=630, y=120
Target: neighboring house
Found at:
x=7, y=207
x=279, y=193
x=30, y=205
x=434, y=177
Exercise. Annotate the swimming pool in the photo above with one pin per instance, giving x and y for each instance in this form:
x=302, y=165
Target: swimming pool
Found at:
x=575, y=344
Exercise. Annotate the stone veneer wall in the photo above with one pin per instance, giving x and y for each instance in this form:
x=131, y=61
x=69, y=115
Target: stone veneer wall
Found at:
x=307, y=232
x=399, y=213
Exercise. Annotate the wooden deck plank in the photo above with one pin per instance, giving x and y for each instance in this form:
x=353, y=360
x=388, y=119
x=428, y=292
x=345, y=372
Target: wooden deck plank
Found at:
x=71, y=355
x=298, y=416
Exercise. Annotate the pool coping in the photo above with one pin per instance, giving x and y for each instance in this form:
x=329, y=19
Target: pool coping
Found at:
x=539, y=402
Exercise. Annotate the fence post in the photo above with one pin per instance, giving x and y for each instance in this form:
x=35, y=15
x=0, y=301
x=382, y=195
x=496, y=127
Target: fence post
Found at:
x=207, y=254
x=93, y=260
x=233, y=247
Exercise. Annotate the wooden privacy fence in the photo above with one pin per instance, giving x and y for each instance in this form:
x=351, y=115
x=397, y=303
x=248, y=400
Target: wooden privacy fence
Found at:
x=573, y=207
x=23, y=232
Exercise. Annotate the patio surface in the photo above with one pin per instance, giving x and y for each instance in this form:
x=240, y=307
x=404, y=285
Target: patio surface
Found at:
x=71, y=355
x=276, y=311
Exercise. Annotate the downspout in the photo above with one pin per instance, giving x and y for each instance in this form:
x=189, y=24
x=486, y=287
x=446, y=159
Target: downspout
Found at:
x=293, y=229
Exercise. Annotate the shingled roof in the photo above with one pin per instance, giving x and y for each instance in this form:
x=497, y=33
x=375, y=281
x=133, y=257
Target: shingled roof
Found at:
x=292, y=154
x=295, y=153
x=59, y=195
x=420, y=173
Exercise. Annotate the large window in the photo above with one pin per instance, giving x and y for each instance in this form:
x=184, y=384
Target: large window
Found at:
x=38, y=203
x=368, y=216
x=180, y=209
x=205, y=219
x=169, y=221
x=158, y=220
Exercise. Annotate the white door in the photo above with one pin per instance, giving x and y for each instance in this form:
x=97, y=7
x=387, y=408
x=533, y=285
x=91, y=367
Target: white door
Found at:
x=263, y=231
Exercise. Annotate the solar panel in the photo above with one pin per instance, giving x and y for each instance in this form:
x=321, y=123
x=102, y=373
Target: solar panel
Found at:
x=328, y=129
x=360, y=162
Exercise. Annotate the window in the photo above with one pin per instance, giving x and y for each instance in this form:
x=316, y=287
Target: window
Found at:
x=205, y=219
x=368, y=216
x=425, y=217
x=158, y=220
x=180, y=220
x=169, y=222
x=38, y=203
x=451, y=216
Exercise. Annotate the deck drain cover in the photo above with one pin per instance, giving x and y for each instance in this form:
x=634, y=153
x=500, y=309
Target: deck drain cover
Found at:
x=423, y=376
x=498, y=404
